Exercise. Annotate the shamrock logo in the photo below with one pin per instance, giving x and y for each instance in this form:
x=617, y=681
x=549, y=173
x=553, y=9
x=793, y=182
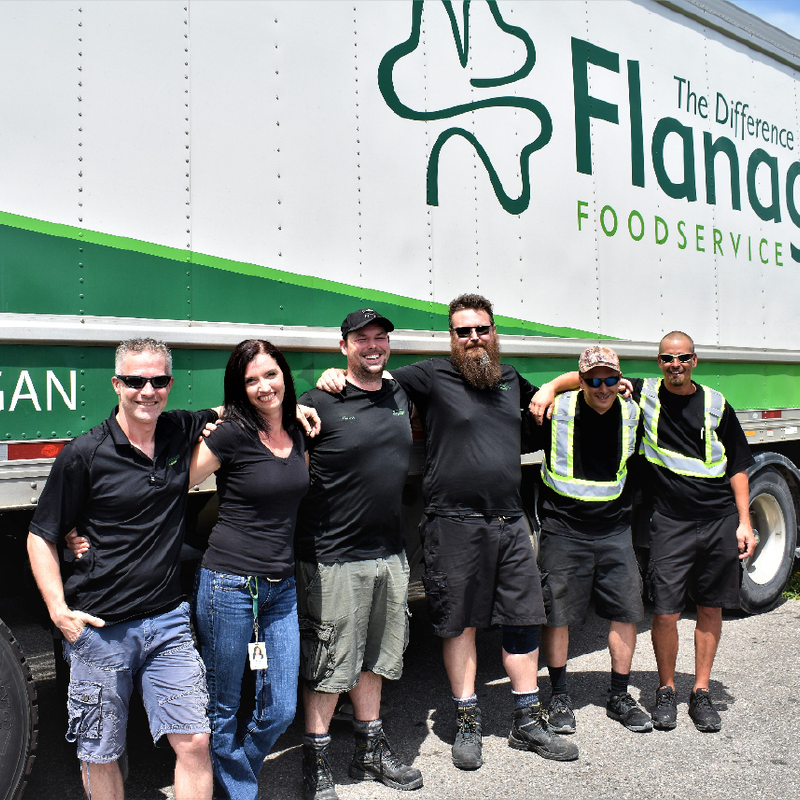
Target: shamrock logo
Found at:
x=513, y=205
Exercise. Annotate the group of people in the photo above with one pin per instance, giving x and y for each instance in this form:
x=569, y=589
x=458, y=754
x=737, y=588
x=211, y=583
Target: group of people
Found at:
x=305, y=573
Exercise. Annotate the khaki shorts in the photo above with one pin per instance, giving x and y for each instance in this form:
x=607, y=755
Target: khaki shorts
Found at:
x=353, y=619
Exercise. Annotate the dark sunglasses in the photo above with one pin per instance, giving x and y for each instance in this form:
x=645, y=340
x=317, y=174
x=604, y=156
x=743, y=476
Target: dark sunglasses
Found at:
x=668, y=358
x=139, y=381
x=612, y=380
x=464, y=332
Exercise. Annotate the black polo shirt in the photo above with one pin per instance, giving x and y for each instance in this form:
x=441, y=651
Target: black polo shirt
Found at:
x=359, y=463
x=131, y=510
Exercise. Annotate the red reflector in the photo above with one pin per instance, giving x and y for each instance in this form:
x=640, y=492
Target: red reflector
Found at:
x=771, y=414
x=26, y=450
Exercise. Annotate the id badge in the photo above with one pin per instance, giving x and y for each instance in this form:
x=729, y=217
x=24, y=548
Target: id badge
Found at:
x=257, y=654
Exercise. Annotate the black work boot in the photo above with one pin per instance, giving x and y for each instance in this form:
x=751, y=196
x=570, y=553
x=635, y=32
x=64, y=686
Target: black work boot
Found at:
x=468, y=745
x=530, y=730
x=374, y=760
x=317, y=775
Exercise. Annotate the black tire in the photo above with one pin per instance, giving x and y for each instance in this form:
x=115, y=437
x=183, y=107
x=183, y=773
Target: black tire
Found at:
x=772, y=514
x=19, y=716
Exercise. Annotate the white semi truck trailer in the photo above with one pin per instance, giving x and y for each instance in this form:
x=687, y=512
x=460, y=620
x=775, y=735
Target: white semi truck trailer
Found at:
x=205, y=171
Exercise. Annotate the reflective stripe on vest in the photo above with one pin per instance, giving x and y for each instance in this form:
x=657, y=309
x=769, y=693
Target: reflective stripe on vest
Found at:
x=715, y=461
x=559, y=475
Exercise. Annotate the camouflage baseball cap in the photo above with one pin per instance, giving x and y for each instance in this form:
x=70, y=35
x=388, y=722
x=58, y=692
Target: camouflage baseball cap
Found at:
x=598, y=356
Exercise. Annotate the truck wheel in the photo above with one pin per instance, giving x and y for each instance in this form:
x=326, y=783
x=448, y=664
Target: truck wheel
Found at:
x=19, y=716
x=773, y=516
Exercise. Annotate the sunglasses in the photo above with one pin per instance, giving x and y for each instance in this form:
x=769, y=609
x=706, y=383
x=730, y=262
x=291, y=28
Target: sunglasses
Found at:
x=464, y=332
x=139, y=381
x=612, y=380
x=668, y=358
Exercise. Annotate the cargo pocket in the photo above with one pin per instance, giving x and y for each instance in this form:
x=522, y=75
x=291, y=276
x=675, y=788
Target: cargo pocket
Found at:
x=316, y=649
x=649, y=582
x=438, y=598
x=84, y=711
x=407, y=633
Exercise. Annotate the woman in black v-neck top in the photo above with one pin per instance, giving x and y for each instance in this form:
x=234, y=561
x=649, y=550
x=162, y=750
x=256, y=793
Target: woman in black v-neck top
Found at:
x=258, y=454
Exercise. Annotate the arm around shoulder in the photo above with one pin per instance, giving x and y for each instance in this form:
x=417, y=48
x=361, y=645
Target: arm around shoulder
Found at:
x=542, y=402
x=203, y=464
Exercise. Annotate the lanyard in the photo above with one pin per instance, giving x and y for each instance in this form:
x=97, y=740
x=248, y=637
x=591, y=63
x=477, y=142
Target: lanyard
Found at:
x=253, y=589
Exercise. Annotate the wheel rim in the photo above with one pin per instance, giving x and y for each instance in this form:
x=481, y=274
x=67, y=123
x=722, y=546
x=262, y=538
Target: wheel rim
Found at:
x=768, y=520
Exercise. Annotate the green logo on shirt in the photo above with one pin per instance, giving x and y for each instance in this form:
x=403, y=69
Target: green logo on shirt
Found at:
x=398, y=412
x=173, y=461
x=503, y=387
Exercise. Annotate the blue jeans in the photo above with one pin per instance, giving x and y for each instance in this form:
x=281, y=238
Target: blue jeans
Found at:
x=224, y=624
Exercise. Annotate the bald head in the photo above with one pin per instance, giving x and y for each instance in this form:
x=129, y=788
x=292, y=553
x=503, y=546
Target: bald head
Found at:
x=677, y=338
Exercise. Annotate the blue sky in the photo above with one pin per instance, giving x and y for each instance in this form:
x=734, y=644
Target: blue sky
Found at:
x=783, y=14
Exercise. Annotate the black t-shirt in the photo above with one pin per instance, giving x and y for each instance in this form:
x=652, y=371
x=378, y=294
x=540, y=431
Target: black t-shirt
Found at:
x=597, y=450
x=131, y=510
x=472, y=437
x=258, y=498
x=358, y=466
x=681, y=428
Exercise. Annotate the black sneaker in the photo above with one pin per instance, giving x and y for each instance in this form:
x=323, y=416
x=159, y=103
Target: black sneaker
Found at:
x=374, y=760
x=665, y=711
x=531, y=731
x=317, y=774
x=624, y=708
x=560, y=715
x=468, y=745
x=703, y=713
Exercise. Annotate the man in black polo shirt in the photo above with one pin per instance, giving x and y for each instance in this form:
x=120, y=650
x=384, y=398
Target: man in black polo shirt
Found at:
x=480, y=568
x=123, y=485
x=352, y=574
x=586, y=549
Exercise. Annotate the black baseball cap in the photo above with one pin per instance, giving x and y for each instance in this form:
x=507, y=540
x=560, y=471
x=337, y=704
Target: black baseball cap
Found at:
x=358, y=319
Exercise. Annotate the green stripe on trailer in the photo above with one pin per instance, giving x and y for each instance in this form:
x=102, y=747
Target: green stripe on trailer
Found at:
x=59, y=269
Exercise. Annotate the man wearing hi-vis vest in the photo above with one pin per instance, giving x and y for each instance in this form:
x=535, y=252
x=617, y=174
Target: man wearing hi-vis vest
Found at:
x=697, y=457
x=586, y=548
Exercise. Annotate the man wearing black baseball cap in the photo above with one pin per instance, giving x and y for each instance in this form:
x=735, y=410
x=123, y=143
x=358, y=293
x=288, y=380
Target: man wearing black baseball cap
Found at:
x=352, y=573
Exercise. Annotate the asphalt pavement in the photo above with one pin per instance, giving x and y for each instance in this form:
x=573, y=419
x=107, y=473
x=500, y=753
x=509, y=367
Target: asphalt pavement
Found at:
x=756, y=688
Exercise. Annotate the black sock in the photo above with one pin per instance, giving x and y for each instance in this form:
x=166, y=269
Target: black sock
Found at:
x=619, y=683
x=558, y=679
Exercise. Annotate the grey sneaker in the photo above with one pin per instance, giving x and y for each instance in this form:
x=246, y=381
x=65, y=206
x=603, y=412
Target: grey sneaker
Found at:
x=703, y=713
x=468, y=745
x=665, y=711
x=560, y=715
x=531, y=731
x=624, y=708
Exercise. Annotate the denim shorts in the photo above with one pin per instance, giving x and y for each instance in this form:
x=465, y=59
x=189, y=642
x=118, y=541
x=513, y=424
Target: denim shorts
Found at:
x=353, y=619
x=479, y=571
x=577, y=571
x=158, y=656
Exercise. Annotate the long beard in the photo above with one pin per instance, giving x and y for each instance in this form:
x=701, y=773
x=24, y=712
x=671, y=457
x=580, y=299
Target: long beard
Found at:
x=480, y=365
